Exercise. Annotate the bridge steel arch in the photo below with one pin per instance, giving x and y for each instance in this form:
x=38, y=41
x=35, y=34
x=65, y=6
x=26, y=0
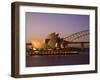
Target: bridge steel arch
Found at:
x=77, y=35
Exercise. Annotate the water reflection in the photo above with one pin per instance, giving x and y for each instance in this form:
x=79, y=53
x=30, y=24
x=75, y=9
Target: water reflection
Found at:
x=52, y=60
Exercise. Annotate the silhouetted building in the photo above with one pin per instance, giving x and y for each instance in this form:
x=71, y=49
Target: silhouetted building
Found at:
x=54, y=41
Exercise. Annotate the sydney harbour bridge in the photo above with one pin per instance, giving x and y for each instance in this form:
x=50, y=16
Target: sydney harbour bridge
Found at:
x=54, y=45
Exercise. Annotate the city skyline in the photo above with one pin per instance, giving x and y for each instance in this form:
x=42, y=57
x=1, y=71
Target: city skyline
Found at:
x=45, y=43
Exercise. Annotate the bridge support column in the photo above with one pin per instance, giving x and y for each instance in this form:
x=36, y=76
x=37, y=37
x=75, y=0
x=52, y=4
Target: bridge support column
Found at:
x=82, y=46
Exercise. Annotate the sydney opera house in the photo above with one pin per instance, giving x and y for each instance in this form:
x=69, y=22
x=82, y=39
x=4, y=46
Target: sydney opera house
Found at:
x=52, y=45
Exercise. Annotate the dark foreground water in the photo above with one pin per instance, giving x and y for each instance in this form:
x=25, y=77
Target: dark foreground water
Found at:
x=53, y=60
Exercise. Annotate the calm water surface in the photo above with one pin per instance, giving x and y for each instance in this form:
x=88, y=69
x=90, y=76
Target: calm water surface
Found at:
x=45, y=60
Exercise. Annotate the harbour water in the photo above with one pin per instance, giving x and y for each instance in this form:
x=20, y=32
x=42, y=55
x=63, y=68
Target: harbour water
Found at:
x=53, y=60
